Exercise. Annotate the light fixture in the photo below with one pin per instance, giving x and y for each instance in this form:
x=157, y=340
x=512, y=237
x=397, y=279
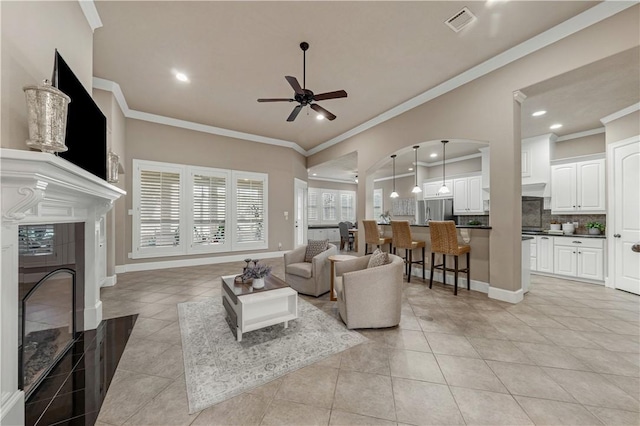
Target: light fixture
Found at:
x=416, y=189
x=319, y=117
x=410, y=169
x=443, y=189
x=555, y=126
x=182, y=77
x=434, y=155
x=315, y=174
x=539, y=113
x=394, y=194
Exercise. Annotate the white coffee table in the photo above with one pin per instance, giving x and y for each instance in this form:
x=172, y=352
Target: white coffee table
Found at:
x=249, y=309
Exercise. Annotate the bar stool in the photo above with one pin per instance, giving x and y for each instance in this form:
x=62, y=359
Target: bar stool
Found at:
x=371, y=236
x=401, y=236
x=444, y=241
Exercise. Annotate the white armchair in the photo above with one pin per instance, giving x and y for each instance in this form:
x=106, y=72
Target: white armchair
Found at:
x=310, y=278
x=369, y=297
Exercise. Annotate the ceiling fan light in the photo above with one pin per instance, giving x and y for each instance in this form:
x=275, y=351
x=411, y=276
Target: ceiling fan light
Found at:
x=319, y=117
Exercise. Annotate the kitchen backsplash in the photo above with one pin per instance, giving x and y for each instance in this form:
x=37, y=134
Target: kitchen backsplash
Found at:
x=582, y=220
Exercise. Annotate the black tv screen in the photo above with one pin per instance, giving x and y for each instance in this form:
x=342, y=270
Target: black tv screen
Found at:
x=86, y=136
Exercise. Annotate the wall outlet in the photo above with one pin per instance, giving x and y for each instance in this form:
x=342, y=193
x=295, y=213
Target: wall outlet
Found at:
x=279, y=246
x=286, y=215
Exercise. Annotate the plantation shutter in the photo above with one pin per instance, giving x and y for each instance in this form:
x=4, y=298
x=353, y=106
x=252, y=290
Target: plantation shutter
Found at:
x=209, y=210
x=329, y=207
x=312, y=208
x=159, y=209
x=377, y=203
x=250, y=210
x=36, y=240
x=347, y=207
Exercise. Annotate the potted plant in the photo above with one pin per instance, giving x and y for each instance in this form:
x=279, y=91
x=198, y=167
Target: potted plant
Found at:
x=595, y=228
x=257, y=273
x=385, y=217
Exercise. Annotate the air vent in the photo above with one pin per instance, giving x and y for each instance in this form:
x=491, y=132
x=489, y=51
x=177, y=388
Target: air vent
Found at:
x=460, y=20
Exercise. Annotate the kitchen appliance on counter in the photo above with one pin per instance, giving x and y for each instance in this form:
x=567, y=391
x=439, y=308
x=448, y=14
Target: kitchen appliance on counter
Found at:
x=568, y=228
x=441, y=209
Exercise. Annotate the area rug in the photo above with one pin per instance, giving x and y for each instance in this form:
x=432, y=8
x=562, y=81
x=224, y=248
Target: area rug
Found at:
x=218, y=367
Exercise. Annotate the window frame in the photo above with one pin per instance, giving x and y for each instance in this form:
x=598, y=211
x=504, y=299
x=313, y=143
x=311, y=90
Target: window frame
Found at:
x=253, y=245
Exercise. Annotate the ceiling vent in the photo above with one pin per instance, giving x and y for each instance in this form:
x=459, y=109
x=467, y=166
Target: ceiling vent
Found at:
x=460, y=20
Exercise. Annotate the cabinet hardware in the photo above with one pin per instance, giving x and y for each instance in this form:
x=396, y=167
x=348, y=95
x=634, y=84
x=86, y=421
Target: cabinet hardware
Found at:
x=577, y=242
x=544, y=238
x=617, y=235
x=636, y=248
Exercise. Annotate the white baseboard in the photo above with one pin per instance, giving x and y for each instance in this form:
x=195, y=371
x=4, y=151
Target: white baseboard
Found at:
x=92, y=316
x=148, y=266
x=506, y=295
x=110, y=281
x=12, y=409
x=480, y=286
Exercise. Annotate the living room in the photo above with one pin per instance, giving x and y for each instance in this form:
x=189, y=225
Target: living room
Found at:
x=31, y=31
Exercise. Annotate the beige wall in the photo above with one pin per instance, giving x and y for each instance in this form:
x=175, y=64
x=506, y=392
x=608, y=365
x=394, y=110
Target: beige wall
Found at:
x=31, y=31
x=458, y=168
x=623, y=128
x=157, y=142
x=487, y=108
x=325, y=184
x=404, y=185
x=587, y=145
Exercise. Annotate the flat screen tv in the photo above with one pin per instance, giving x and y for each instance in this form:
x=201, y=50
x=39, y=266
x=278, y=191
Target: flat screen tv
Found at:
x=86, y=136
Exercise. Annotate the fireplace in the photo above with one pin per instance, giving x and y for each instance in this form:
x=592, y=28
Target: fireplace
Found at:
x=41, y=192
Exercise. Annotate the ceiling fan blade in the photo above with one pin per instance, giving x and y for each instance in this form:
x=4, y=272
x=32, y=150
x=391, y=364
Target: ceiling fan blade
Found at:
x=294, y=113
x=330, y=95
x=294, y=83
x=326, y=114
x=276, y=100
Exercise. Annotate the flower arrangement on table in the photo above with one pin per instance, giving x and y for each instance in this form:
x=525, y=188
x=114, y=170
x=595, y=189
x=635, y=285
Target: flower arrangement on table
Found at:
x=257, y=273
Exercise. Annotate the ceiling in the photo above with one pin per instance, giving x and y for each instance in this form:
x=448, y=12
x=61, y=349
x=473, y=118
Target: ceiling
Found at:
x=381, y=53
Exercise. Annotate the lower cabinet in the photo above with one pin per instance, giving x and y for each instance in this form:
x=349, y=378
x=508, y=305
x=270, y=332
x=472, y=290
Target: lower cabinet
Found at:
x=331, y=234
x=545, y=254
x=579, y=257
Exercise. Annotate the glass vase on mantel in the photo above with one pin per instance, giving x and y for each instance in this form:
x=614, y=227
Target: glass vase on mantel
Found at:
x=46, y=117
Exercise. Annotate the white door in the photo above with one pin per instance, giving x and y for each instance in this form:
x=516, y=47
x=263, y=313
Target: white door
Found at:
x=460, y=196
x=590, y=262
x=565, y=261
x=474, y=195
x=625, y=204
x=563, y=188
x=591, y=185
x=545, y=254
x=299, y=213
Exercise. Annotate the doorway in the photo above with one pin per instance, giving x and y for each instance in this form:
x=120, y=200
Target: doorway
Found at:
x=624, y=208
x=300, y=213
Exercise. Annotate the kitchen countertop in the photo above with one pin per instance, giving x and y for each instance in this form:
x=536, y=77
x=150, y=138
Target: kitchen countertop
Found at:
x=457, y=226
x=601, y=236
x=526, y=238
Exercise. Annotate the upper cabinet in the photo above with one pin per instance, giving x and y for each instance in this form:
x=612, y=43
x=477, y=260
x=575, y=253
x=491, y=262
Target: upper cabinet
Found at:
x=467, y=195
x=578, y=187
x=536, y=158
x=430, y=189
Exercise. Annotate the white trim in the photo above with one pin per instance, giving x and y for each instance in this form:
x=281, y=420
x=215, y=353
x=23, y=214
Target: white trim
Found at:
x=568, y=160
x=519, y=97
x=589, y=17
x=209, y=260
x=110, y=281
x=506, y=295
x=113, y=87
x=348, y=182
x=12, y=408
x=391, y=177
x=581, y=134
x=91, y=13
x=619, y=114
x=93, y=315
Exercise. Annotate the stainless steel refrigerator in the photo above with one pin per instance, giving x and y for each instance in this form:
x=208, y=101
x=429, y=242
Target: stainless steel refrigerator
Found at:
x=441, y=209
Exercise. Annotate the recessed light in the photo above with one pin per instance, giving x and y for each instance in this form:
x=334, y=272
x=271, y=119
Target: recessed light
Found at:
x=410, y=169
x=319, y=117
x=555, y=126
x=315, y=174
x=538, y=113
x=434, y=155
x=182, y=77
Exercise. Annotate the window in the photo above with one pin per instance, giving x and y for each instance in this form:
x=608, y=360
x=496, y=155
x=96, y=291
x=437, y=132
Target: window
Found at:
x=209, y=192
x=312, y=208
x=250, y=208
x=330, y=206
x=377, y=203
x=347, y=206
x=181, y=210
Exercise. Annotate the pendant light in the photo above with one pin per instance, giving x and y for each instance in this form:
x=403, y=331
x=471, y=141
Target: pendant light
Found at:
x=416, y=189
x=443, y=189
x=394, y=194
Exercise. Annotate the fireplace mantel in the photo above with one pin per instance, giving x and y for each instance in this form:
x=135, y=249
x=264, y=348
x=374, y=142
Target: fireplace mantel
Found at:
x=41, y=188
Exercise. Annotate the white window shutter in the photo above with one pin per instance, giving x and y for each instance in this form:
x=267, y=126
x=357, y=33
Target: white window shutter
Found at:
x=209, y=210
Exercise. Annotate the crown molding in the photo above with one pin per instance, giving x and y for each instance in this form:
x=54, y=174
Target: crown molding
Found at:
x=581, y=134
x=348, y=182
x=91, y=13
x=113, y=87
x=619, y=114
x=391, y=177
x=589, y=17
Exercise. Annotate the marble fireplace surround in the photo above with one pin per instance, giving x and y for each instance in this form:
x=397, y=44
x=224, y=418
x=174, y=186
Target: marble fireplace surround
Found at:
x=41, y=188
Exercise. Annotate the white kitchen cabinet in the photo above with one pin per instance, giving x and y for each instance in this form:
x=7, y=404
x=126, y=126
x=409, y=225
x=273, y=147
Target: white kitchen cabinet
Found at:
x=578, y=187
x=430, y=189
x=579, y=257
x=331, y=234
x=467, y=195
x=544, y=247
x=533, y=254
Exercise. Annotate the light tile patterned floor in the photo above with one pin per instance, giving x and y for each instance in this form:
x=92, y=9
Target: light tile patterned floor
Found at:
x=567, y=354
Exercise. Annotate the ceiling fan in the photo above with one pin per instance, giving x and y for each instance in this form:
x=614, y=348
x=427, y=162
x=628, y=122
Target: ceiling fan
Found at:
x=305, y=96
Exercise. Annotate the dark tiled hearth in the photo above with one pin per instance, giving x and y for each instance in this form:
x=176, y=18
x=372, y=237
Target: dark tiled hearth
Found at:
x=73, y=391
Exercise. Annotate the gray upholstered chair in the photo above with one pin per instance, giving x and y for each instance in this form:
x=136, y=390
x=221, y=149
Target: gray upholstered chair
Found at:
x=369, y=297
x=310, y=278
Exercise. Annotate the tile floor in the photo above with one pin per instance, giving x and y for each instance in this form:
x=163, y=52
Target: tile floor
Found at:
x=568, y=354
